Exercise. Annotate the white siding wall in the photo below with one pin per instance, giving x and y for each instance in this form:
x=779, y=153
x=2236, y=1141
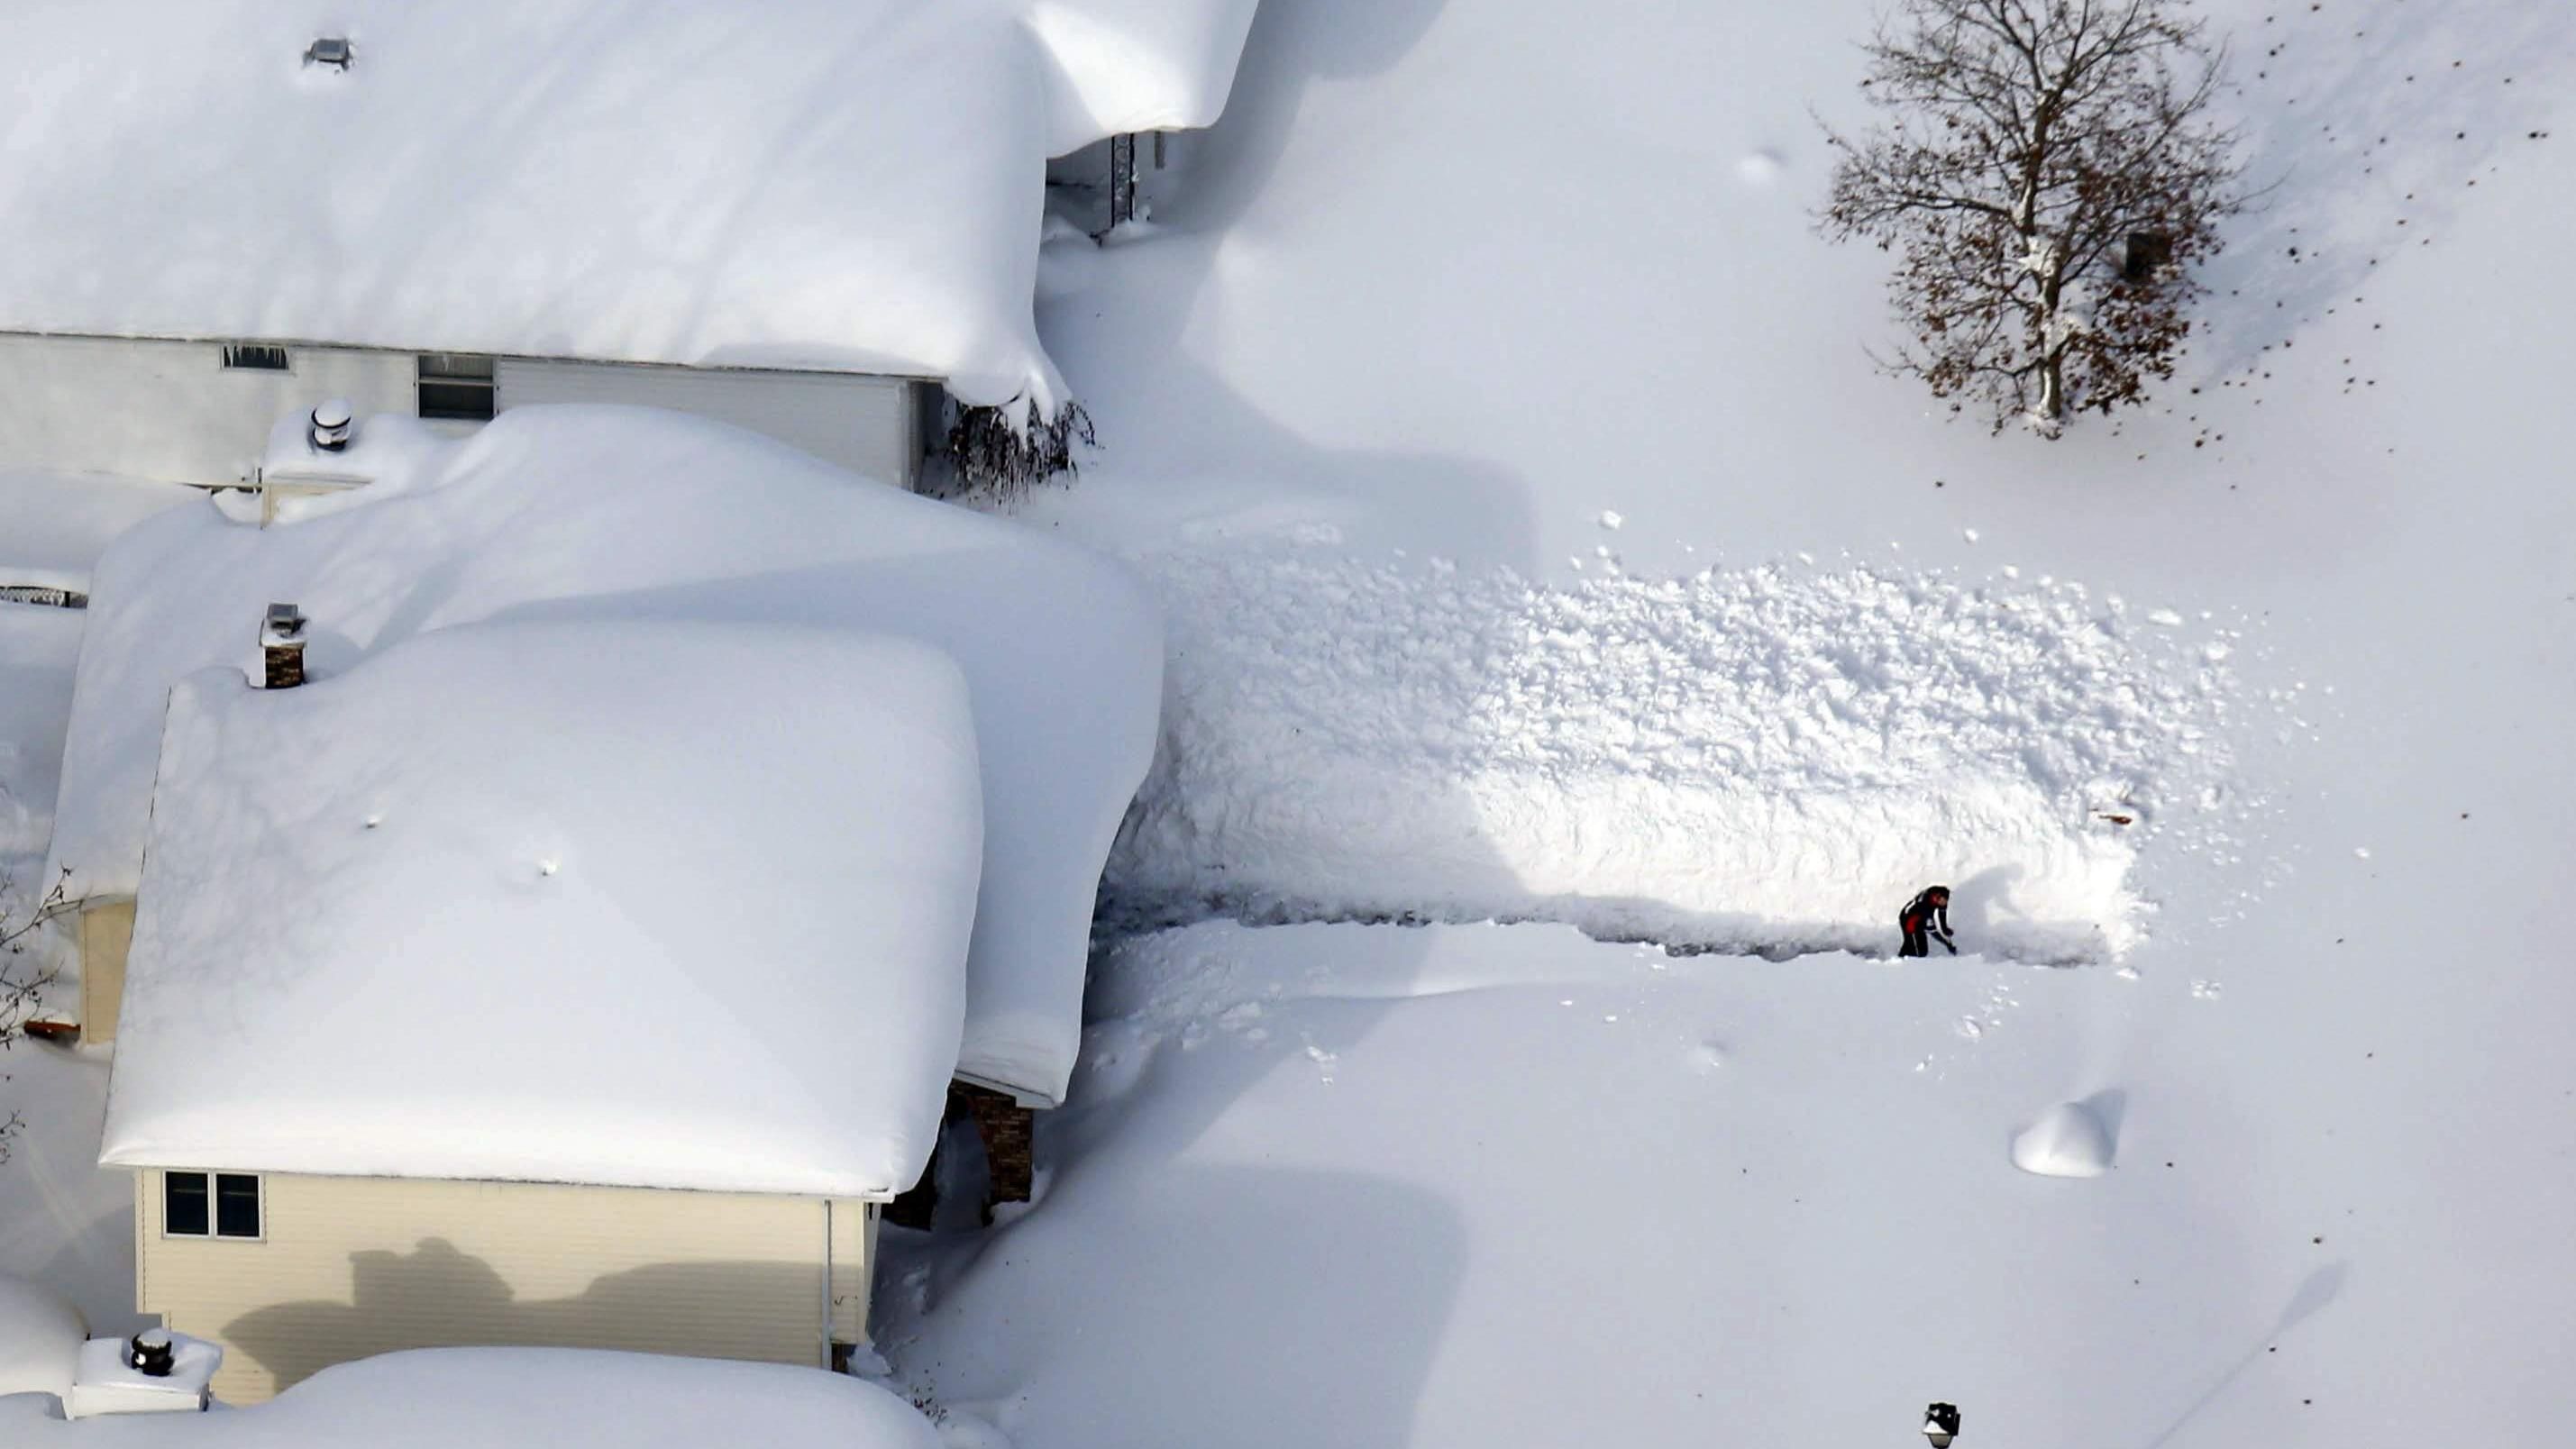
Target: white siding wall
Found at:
x=145, y=408
x=348, y=1267
x=869, y=425
x=170, y=410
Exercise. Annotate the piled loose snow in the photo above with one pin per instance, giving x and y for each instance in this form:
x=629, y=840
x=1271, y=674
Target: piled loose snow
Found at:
x=2068, y=1140
x=564, y=513
x=643, y=904
x=526, y=1398
x=1767, y=760
x=40, y=1339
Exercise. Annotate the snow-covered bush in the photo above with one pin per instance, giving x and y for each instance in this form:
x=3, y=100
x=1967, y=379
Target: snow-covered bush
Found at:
x=1000, y=451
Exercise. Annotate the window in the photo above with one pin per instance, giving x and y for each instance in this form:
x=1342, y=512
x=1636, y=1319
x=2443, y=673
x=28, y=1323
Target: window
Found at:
x=455, y=385
x=219, y=1204
x=256, y=356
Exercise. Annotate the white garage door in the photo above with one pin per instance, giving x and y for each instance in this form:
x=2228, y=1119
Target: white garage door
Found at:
x=865, y=424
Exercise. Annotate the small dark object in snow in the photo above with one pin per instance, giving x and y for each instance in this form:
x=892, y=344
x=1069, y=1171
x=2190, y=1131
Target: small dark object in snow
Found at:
x=331, y=50
x=1941, y=1424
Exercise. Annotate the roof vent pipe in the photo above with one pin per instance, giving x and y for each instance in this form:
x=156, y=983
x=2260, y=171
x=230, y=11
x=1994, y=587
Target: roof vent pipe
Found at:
x=151, y=1353
x=281, y=648
x=329, y=430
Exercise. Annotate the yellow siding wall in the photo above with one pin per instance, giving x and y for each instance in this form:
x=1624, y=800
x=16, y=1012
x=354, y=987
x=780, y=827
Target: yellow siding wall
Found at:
x=854, y=1254
x=106, y=930
x=353, y=1266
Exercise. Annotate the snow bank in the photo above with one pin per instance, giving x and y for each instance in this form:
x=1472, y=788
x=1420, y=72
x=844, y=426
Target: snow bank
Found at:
x=40, y=1339
x=1766, y=760
x=642, y=904
x=821, y=183
x=609, y=513
x=530, y=1398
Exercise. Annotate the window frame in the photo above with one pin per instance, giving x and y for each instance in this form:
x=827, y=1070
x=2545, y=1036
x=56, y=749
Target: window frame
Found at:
x=211, y=1185
x=254, y=357
x=456, y=374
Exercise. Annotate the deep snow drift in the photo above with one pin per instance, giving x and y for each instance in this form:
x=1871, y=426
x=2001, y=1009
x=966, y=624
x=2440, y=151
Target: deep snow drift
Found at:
x=1753, y=760
x=1504, y=1185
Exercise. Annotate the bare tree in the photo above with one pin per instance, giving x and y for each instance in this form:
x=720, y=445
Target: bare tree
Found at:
x=2048, y=175
x=22, y=985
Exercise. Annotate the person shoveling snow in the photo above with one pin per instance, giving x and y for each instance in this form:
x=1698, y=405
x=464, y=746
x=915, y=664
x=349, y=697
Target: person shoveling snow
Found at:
x=1929, y=910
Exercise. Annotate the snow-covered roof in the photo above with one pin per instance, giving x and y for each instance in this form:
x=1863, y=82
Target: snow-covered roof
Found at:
x=618, y=513
x=835, y=184
x=651, y=904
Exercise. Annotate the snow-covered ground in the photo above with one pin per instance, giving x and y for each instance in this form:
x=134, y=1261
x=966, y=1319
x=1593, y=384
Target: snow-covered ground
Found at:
x=1460, y=289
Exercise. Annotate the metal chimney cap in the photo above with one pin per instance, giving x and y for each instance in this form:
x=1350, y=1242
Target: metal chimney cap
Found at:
x=332, y=412
x=284, y=620
x=330, y=50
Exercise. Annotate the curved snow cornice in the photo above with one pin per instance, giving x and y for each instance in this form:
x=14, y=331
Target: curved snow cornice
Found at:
x=1136, y=65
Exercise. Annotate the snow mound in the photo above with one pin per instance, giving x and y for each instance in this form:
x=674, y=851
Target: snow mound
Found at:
x=40, y=1339
x=1766, y=760
x=2068, y=1140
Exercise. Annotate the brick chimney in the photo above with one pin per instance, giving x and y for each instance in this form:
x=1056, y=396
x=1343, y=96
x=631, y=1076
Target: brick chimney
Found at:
x=281, y=647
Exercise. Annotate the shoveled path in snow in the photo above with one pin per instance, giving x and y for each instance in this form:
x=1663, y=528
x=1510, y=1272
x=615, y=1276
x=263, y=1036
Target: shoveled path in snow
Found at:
x=1764, y=761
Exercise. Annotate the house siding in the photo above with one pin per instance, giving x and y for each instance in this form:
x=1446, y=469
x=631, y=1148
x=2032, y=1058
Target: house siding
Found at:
x=353, y=1266
x=106, y=933
x=151, y=408
x=167, y=409
x=866, y=424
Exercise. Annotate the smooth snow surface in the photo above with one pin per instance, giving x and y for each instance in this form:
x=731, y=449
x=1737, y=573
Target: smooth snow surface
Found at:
x=40, y=1338
x=629, y=514
x=1490, y=1185
x=667, y=905
x=39, y=647
x=1757, y=760
x=838, y=184
x=524, y=1398
x=2068, y=1140
x=1136, y=65
x=58, y=522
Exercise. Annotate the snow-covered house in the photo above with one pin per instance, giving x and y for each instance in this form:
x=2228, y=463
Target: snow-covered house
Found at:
x=567, y=513
x=586, y=983
x=809, y=218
